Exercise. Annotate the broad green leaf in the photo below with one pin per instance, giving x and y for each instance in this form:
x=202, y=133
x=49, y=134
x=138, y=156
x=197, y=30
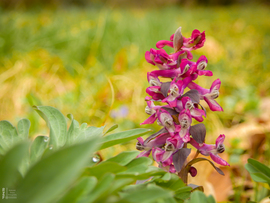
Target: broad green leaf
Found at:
x=140, y=176
x=140, y=161
x=73, y=130
x=8, y=135
x=9, y=164
x=87, y=132
x=124, y=157
x=146, y=195
x=174, y=183
x=84, y=186
x=183, y=192
x=113, y=127
x=23, y=128
x=121, y=137
x=104, y=184
x=169, y=200
x=139, y=169
x=198, y=196
x=57, y=124
x=138, y=166
x=38, y=147
x=258, y=171
x=103, y=168
x=53, y=174
x=119, y=184
x=77, y=134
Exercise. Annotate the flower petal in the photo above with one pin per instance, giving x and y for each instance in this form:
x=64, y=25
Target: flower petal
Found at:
x=213, y=105
x=150, y=120
x=160, y=44
x=218, y=160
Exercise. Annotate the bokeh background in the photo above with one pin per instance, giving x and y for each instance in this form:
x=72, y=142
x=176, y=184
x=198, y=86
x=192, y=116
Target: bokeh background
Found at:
x=86, y=57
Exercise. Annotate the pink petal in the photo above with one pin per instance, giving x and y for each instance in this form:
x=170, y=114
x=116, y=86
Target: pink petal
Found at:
x=197, y=114
x=160, y=44
x=201, y=90
x=140, y=140
x=204, y=72
x=218, y=160
x=144, y=153
x=150, y=120
x=220, y=139
x=213, y=105
x=148, y=57
x=215, y=85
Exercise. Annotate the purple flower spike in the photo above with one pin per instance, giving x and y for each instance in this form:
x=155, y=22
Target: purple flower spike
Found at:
x=212, y=150
x=169, y=146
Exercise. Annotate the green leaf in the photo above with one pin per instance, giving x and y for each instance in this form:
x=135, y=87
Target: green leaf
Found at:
x=104, y=184
x=121, y=137
x=198, y=196
x=53, y=174
x=183, y=192
x=103, y=168
x=151, y=171
x=84, y=186
x=9, y=164
x=139, y=161
x=258, y=171
x=78, y=134
x=174, y=183
x=120, y=183
x=113, y=127
x=38, y=147
x=124, y=157
x=146, y=195
x=8, y=136
x=57, y=124
x=23, y=128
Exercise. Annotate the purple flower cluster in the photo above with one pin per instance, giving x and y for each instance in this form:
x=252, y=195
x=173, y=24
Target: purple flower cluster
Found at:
x=169, y=145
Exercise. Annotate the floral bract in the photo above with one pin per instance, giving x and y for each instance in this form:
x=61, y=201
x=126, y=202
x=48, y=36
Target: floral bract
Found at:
x=181, y=103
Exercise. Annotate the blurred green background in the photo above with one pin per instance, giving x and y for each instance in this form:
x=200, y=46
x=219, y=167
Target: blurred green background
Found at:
x=87, y=58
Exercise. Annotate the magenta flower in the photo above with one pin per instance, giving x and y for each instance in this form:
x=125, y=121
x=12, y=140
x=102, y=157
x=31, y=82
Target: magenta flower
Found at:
x=209, y=95
x=196, y=40
x=201, y=65
x=195, y=112
x=175, y=91
x=155, y=93
x=153, y=80
x=147, y=145
x=166, y=120
x=212, y=150
x=185, y=122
